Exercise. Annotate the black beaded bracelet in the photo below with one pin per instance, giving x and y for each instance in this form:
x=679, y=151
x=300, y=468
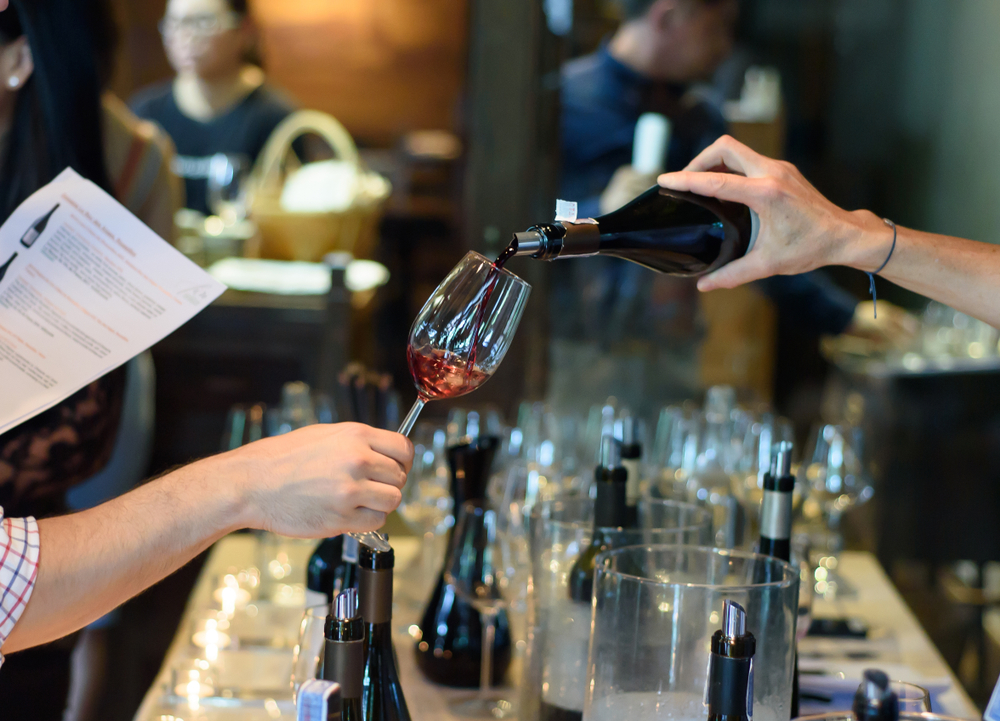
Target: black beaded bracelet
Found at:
x=871, y=276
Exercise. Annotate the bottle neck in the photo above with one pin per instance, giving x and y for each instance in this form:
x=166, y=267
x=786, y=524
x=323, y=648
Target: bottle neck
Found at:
x=379, y=635
x=375, y=597
x=559, y=240
x=611, y=507
x=730, y=677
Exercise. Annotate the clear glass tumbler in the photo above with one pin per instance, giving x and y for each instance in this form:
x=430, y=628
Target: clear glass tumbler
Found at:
x=554, y=672
x=655, y=610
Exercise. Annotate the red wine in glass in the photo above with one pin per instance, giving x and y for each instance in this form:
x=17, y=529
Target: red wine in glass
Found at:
x=439, y=375
x=463, y=331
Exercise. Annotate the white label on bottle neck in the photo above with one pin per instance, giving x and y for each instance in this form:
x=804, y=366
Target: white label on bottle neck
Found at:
x=776, y=515
x=566, y=210
x=632, y=469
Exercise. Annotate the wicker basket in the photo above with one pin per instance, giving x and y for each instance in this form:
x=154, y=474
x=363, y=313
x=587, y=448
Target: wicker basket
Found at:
x=287, y=235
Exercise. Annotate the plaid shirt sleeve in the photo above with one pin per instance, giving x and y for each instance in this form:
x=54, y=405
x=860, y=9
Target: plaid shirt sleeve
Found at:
x=18, y=569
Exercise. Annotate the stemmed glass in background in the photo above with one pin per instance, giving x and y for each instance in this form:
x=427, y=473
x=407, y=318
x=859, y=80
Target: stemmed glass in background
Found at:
x=760, y=439
x=427, y=504
x=227, y=186
x=463, y=331
x=480, y=573
x=834, y=475
x=308, y=653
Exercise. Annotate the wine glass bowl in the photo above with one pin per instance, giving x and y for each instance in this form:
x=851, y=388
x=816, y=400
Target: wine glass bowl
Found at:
x=834, y=475
x=462, y=333
x=833, y=471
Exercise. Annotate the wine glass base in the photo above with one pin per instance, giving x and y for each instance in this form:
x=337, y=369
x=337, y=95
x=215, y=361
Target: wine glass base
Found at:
x=488, y=707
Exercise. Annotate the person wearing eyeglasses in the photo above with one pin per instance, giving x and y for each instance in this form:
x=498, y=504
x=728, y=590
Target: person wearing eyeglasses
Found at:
x=218, y=102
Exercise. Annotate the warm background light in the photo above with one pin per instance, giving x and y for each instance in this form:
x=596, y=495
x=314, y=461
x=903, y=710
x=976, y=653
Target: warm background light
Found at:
x=381, y=67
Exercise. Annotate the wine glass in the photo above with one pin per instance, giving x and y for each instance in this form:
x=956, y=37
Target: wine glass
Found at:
x=834, y=475
x=308, y=654
x=912, y=698
x=479, y=574
x=426, y=506
x=463, y=331
x=227, y=187
x=759, y=441
x=459, y=338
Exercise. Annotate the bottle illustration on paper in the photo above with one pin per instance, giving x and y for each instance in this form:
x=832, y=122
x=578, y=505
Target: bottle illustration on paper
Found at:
x=37, y=228
x=5, y=266
x=30, y=236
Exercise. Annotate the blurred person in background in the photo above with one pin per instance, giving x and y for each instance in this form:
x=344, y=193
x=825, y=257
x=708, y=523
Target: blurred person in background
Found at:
x=219, y=102
x=55, y=58
x=634, y=334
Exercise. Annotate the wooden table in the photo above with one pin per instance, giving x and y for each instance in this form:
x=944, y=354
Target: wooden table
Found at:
x=876, y=601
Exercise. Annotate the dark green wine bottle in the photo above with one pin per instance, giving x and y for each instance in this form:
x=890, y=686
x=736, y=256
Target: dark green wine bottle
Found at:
x=610, y=512
x=776, y=525
x=381, y=695
x=344, y=652
x=730, y=667
x=665, y=230
x=333, y=566
x=627, y=430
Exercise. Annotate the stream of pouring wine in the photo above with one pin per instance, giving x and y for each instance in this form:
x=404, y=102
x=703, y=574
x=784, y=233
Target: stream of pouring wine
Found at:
x=491, y=282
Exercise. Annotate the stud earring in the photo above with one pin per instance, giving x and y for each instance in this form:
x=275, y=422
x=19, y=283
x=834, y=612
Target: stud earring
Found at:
x=13, y=82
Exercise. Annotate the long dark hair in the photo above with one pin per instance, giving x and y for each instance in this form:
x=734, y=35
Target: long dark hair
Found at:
x=57, y=117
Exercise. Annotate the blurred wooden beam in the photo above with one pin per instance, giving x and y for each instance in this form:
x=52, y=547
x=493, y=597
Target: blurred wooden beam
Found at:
x=512, y=163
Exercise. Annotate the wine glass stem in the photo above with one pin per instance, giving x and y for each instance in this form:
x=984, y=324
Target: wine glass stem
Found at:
x=486, y=667
x=411, y=417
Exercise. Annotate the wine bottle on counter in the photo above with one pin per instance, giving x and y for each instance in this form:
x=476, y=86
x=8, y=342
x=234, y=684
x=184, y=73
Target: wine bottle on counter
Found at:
x=665, y=230
x=449, y=642
x=37, y=228
x=631, y=449
x=776, y=525
x=776, y=506
x=564, y=666
x=344, y=652
x=381, y=695
x=333, y=567
x=610, y=511
x=729, y=694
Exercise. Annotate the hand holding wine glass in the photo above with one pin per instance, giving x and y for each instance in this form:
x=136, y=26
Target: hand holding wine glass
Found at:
x=460, y=336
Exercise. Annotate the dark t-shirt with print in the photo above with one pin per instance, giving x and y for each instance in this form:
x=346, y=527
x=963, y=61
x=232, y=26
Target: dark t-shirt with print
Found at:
x=242, y=130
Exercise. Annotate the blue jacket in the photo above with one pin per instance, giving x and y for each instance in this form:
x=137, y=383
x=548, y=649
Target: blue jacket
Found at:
x=601, y=101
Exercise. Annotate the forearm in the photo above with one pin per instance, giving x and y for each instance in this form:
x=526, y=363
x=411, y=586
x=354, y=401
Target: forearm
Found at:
x=90, y=562
x=963, y=274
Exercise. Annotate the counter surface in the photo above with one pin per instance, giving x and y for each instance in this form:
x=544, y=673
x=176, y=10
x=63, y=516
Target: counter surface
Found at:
x=899, y=639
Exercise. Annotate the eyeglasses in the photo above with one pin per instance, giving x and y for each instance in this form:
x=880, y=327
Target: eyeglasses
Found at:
x=202, y=25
